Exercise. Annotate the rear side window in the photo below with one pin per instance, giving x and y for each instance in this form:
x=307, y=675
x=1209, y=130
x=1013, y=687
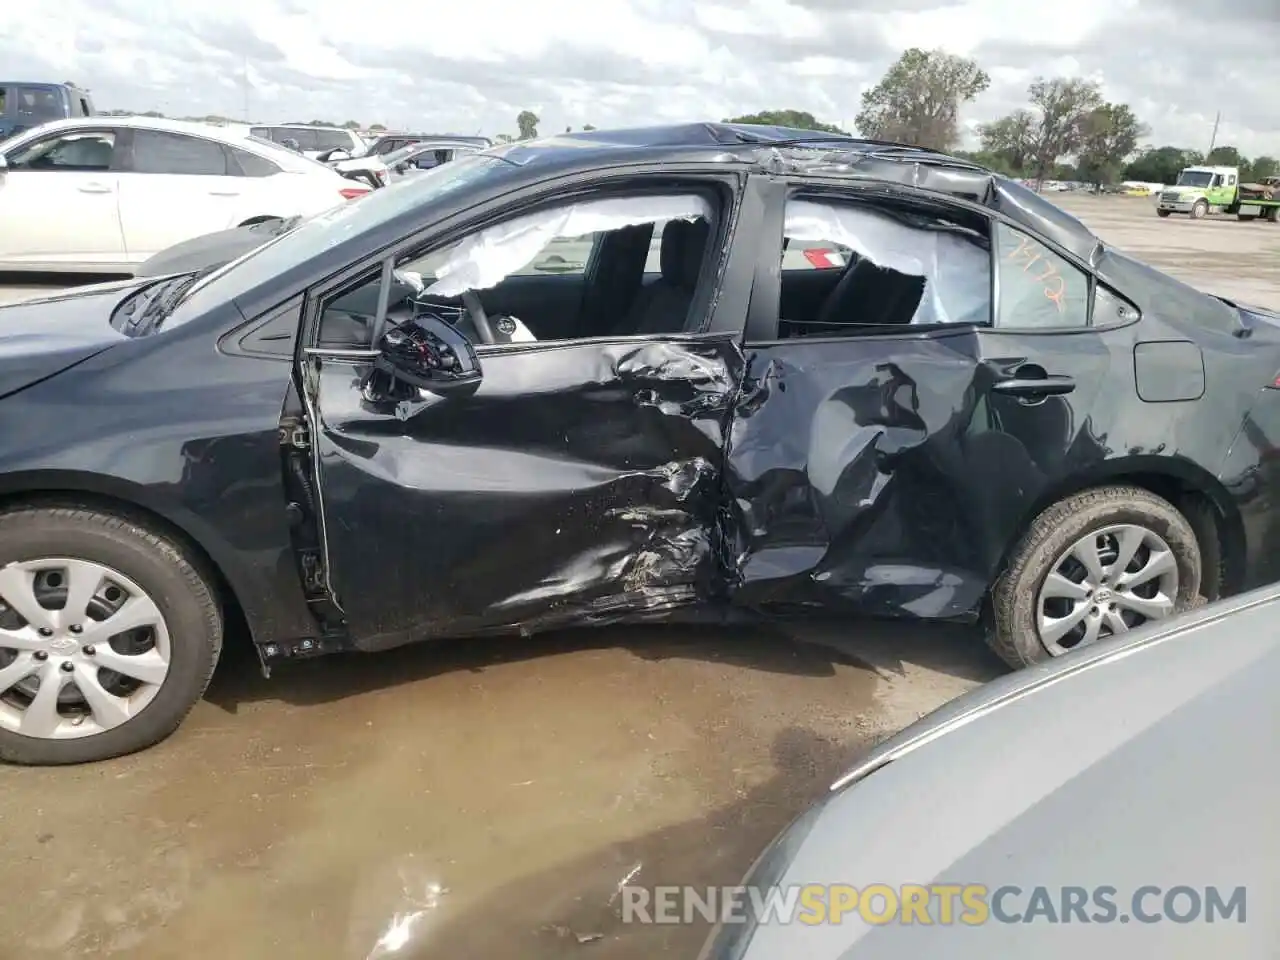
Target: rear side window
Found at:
x=331, y=140
x=252, y=165
x=1037, y=288
x=175, y=153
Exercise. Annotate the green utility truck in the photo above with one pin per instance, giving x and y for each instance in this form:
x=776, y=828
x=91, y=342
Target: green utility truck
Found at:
x=1202, y=190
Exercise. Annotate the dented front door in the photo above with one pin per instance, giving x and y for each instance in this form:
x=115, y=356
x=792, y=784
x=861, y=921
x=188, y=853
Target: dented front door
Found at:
x=579, y=484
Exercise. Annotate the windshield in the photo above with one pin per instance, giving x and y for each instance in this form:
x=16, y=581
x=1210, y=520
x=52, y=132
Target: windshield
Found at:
x=322, y=232
x=1194, y=178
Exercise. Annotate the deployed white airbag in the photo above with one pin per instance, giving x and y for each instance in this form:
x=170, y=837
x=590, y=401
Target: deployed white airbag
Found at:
x=484, y=259
x=957, y=271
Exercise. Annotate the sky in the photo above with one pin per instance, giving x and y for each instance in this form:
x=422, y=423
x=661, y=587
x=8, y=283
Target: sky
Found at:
x=471, y=66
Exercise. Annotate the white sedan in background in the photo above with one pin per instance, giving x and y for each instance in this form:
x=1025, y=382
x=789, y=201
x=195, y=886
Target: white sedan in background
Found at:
x=103, y=194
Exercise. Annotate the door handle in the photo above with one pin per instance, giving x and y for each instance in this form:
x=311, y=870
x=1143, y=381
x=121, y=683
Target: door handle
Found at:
x=94, y=188
x=224, y=193
x=1035, y=386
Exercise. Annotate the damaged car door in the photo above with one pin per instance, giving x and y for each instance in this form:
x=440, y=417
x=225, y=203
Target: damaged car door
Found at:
x=902, y=412
x=571, y=479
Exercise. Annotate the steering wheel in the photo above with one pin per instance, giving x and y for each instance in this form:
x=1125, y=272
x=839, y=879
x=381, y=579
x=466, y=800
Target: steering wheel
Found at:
x=478, y=316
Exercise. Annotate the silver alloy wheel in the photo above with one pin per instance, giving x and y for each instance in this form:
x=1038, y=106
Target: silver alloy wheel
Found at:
x=1109, y=581
x=82, y=648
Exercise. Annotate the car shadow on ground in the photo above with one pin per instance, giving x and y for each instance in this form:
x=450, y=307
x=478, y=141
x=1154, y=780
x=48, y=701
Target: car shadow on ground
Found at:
x=813, y=649
x=578, y=904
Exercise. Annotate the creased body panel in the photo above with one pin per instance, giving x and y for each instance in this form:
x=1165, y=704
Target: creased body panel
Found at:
x=843, y=473
x=579, y=484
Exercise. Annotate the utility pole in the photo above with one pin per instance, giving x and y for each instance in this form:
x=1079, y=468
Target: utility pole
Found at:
x=246, y=90
x=1213, y=140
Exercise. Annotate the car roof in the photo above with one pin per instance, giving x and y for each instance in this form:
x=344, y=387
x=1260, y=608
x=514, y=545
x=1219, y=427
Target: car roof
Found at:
x=790, y=151
x=229, y=133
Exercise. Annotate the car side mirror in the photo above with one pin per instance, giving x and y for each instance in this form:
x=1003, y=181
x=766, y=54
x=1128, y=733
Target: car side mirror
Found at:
x=425, y=353
x=337, y=156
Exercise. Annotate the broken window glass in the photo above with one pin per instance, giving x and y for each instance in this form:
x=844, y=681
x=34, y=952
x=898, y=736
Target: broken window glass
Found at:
x=953, y=261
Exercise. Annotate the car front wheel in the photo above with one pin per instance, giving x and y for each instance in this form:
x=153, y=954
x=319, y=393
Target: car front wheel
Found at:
x=109, y=633
x=1099, y=563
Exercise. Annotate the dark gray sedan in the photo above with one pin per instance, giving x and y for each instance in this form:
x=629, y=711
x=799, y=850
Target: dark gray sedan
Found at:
x=1117, y=803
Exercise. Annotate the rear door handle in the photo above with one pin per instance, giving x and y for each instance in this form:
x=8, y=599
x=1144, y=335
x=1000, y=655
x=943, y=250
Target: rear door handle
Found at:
x=1035, y=386
x=94, y=188
x=224, y=193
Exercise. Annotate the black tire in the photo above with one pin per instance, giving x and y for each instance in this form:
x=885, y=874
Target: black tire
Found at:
x=1012, y=631
x=1199, y=210
x=170, y=576
x=1162, y=213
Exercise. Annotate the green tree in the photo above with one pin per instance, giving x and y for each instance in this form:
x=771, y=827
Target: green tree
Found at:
x=1109, y=136
x=1226, y=156
x=377, y=128
x=1161, y=164
x=351, y=125
x=527, y=123
x=1064, y=106
x=1010, y=142
x=795, y=119
x=1263, y=167
x=918, y=100
x=588, y=127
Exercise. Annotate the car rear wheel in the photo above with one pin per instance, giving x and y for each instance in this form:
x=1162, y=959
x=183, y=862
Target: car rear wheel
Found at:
x=1099, y=563
x=109, y=633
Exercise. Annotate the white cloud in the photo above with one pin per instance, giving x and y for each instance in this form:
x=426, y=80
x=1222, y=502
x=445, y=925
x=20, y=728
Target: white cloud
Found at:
x=472, y=66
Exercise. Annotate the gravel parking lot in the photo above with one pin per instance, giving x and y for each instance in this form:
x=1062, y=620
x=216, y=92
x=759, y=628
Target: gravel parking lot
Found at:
x=487, y=799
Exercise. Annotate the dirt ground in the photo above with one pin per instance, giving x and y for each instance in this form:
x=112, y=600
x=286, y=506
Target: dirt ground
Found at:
x=486, y=800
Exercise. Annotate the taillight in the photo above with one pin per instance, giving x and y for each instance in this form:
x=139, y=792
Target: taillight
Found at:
x=1275, y=384
x=351, y=193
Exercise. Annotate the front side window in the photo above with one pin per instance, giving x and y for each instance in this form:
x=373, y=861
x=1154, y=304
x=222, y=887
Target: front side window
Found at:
x=175, y=153
x=881, y=265
x=38, y=102
x=82, y=150
x=1037, y=288
x=528, y=274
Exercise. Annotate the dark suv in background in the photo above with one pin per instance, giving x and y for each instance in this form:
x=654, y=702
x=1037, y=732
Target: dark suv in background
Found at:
x=24, y=105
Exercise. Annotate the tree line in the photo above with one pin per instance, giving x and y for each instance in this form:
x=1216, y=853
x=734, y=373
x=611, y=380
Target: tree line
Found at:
x=1067, y=131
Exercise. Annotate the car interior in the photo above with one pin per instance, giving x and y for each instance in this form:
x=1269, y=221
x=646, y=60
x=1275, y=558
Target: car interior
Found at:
x=867, y=296
x=637, y=279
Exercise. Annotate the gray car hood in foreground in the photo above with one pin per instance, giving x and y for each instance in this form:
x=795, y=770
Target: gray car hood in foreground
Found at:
x=1147, y=763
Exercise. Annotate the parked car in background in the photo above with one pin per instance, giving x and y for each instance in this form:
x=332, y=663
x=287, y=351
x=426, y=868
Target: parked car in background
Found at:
x=103, y=194
x=313, y=141
x=392, y=423
x=425, y=155
x=390, y=142
x=1125, y=783
x=24, y=104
